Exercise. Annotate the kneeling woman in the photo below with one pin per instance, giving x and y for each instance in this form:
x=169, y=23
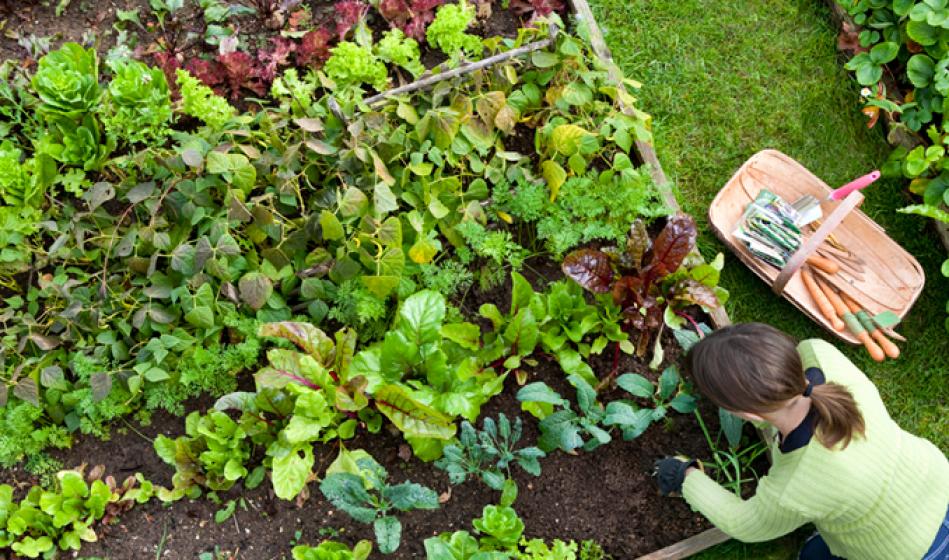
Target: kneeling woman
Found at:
x=840, y=462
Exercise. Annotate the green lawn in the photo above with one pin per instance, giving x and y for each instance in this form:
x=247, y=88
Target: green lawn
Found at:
x=726, y=79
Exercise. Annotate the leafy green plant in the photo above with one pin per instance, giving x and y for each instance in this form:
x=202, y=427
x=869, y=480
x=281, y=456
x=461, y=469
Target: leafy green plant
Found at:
x=67, y=82
x=332, y=550
x=63, y=516
x=559, y=322
x=500, y=525
x=425, y=372
x=200, y=102
x=351, y=65
x=561, y=427
x=359, y=488
x=396, y=48
x=447, y=32
x=141, y=102
x=489, y=453
x=632, y=419
x=501, y=536
x=868, y=66
x=652, y=283
x=212, y=453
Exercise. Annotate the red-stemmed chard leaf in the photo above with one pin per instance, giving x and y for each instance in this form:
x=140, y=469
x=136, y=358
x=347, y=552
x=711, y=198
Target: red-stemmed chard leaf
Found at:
x=638, y=243
x=697, y=293
x=674, y=242
x=589, y=268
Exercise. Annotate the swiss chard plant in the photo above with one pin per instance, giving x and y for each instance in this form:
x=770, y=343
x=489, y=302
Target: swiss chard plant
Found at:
x=650, y=280
x=358, y=485
x=489, y=453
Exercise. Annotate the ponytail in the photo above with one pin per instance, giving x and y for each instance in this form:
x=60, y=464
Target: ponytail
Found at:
x=838, y=418
x=753, y=367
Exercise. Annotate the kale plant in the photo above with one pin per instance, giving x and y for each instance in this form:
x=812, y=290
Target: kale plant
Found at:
x=490, y=453
x=360, y=488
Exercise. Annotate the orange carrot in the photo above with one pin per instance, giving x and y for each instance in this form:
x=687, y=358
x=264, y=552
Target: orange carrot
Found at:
x=886, y=344
x=853, y=324
x=823, y=263
x=821, y=300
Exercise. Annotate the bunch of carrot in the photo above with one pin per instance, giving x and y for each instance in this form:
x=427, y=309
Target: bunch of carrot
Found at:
x=845, y=313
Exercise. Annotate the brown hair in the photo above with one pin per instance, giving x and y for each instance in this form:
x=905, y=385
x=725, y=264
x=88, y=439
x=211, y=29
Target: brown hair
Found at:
x=755, y=368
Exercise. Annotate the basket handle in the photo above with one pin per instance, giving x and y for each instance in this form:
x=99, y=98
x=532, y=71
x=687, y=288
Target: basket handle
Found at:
x=853, y=200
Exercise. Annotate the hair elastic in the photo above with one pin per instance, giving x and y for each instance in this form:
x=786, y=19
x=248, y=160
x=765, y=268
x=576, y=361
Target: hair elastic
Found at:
x=808, y=389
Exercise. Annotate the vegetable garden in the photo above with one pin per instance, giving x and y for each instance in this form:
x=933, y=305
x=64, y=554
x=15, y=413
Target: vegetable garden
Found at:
x=309, y=280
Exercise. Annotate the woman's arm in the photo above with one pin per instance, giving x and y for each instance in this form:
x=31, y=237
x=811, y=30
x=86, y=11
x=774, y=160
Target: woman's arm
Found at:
x=759, y=518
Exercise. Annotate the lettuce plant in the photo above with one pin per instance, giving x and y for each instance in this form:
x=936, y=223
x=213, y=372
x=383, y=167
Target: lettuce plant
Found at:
x=359, y=486
x=212, y=453
x=199, y=101
x=63, y=516
x=500, y=525
x=67, y=81
x=141, y=103
x=396, y=48
x=646, y=278
x=351, y=65
x=332, y=550
x=447, y=32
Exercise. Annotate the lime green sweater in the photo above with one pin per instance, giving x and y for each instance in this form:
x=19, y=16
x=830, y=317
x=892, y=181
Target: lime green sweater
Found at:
x=882, y=497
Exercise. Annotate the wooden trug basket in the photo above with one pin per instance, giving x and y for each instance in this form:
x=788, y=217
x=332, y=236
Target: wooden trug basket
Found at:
x=891, y=280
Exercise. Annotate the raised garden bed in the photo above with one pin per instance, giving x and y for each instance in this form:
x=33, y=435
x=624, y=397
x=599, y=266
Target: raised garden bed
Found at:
x=574, y=498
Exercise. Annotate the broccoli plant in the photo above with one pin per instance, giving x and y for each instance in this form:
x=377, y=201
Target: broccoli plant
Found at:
x=489, y=453
x=357, y=484
x=633, y=419
x=566, y=429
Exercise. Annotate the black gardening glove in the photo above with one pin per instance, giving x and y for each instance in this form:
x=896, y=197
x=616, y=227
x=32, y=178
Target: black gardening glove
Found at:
x=670, y=473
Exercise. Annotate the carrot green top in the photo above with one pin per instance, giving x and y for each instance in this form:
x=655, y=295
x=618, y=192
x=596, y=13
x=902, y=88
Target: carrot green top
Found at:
x=882, y=497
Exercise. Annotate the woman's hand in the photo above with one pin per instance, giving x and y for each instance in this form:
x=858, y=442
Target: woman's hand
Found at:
x=670, y=473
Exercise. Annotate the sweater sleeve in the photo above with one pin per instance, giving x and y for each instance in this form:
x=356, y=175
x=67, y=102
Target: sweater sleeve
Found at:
x=759, y=518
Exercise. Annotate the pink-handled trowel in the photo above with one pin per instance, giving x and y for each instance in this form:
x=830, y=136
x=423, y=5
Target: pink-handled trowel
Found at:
x=808, y=207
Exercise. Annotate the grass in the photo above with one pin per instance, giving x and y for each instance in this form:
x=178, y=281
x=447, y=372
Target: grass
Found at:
x=726, y=79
